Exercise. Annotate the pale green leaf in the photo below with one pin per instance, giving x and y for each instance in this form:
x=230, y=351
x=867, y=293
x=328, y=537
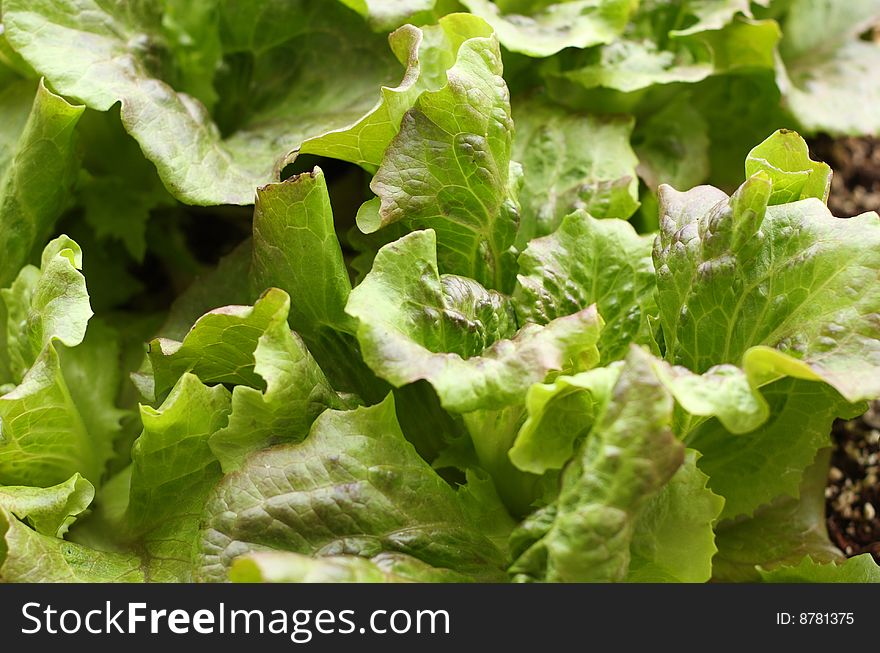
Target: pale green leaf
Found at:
x=674, y=539
x=625, y=461
x=571, y=161
x=355, y=486
x=50, y=510
x=546, y=27
x=416, y=324
x=37, y=170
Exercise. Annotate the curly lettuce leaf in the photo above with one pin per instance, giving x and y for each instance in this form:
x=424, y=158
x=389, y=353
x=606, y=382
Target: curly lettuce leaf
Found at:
x=49, y=428
x=296, y=249
x=278, y=390
x=296, y=393
x=416, y=324
x=785, y=158
x=428, y=53
x=588, y=261
x=858, y=569
x=273, y=90
x=355, y=486
x=780, y=533
x=754, y=468
x=37, y=169
x=45, y=305
x=50, y=510
x=544, y=27
x=626, y=460
x=449, y=169
x=674, y=539
x=617, y=77
x=219, y=347
x=60, y=561
x=785, y=290
x=571, y=161
x=173, y=470
x=560, y=413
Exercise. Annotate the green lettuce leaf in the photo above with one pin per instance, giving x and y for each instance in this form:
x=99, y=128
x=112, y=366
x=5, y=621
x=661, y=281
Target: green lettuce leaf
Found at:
x=219, y=347
x=449, y=169
x=779, y=534
x=571, y=161
x=544, y=27
x=428, y=53
x=292, y=220
x=274, y=92
x=45, y=305
x=859, y=569
x=288, y=567
x=416, y=324
x=785, y=158
x=46, y=435
x=626, y=460
x=279, y=389
x=561, y=412
x=584, y=262
x=616, y=77
x=674, y=540
x=50, y=510
x=355, y=486
x=60, y=561
x=296, y=249
x=752, y=469
x=37, y=169
x=786, y=289
x=173, y=470
x=296, y=393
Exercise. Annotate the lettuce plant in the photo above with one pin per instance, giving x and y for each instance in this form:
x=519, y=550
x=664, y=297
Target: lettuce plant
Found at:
x=493, y=376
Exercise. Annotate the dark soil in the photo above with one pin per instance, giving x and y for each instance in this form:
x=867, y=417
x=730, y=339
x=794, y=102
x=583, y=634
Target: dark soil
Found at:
x=853, y=491
x=855, y=187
